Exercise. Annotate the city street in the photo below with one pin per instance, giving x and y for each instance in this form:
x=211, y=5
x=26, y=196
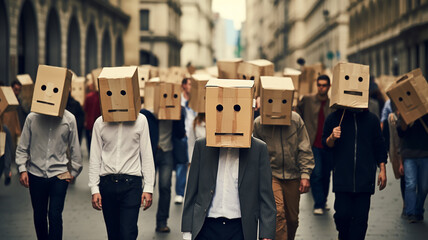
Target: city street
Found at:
x=81, y=221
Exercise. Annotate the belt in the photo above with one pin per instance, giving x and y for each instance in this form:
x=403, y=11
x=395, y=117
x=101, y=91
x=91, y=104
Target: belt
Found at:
x=120, y=178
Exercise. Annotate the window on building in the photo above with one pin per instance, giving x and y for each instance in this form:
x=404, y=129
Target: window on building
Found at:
x=409, y=5
x=417, y=56
x=144, y=20
x=378, y=65
x=409, y=59
x=386, y=62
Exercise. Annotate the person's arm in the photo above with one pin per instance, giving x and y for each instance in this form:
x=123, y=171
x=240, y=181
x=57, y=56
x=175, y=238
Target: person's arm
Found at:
x=95, y=166
x=74, y=146
x=23, y=148
x=191, y=190
x=305, y=157
x=147, y=164
x=7, y=153
x=267, y=201
x=380, y=152
x=381, y=182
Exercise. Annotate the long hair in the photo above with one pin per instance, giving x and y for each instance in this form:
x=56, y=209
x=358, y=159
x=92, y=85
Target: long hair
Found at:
x=198, y=119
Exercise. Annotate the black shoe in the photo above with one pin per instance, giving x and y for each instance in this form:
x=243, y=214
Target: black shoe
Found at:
x=7, y=181
x=164, y=229
x=415, y=218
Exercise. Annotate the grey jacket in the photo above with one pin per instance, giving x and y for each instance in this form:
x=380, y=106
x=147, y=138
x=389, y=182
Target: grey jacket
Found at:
x=254, y=184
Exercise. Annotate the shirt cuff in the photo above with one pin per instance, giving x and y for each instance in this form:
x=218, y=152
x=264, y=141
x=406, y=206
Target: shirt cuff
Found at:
x=22, y=168
x=305, y=176
x=94, y=190
x=187, y=236
x=147, y=188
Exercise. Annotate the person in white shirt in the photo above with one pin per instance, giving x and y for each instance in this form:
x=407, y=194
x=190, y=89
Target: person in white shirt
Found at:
x=121, y=166
x=196, y=131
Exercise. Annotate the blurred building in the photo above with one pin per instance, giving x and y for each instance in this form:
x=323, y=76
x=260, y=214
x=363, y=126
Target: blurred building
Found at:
x=153, y=35
x=283, y=31
x=225, y=38
x=78, y=34
x=389, y=35
x=197, y=26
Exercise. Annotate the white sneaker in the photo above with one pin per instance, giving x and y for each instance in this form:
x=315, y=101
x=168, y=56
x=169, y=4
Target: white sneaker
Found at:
x=178, y=199
x=318, y=211
x=326, y=207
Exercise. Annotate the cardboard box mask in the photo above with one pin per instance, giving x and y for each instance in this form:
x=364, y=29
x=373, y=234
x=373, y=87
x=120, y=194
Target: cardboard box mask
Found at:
x=164, y=99
x=95, y=74
x=78, y=89
x=350, y=86
x=410, y=95
x=228, y=68
x=27, y=89
x=276, y=100
x=197, y=92
x=229, y=113
x=253, y=70
x=119, y=94
x=295, y=76
x=51, y=90
x=8, y=100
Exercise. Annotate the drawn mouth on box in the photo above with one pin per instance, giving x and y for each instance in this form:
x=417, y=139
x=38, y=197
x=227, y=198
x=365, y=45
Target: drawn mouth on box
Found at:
x=118, y=110
x=170, y=106
x=229, y=134
x=356, y=93
x=276, y=116
x=48, y=103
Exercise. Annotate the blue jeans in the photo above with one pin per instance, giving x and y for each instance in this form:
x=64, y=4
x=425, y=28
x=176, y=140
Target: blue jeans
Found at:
x=164, y=165
x=46, y=192
x=181, y=174
x=416, y=178
x=320, y=177
x=121, y=198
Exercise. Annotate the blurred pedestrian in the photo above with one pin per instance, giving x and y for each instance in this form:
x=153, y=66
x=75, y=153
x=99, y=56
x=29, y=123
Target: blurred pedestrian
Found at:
x=6, y=158
x=74, y=107
x=292, y=162
x=197, y=131
x=358, y=147
x=414, y=151
x=313, y=109
x=92, y=112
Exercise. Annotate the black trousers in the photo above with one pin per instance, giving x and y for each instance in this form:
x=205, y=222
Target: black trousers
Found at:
x=221, y=228
x=121, y=200
x=47, y=199
x=352, y=214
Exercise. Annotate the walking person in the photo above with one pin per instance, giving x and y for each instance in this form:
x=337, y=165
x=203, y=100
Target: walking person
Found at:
x=48, y=133
x=313, y=109
x=121, y=168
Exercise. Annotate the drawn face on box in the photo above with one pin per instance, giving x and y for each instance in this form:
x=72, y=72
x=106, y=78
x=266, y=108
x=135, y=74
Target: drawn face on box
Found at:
x=170, y=96
x=353, y=84
x=117, y=97
x=51, y=90
x=249, y=72
x=406, y=98
x=229, y=116
x=276, y=106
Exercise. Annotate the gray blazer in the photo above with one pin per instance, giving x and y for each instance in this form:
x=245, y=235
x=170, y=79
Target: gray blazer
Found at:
x=254, y=184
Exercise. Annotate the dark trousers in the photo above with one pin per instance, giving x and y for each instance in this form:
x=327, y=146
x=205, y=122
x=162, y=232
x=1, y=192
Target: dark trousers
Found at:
x=352, y=214
x=221, y=228
x=121, y=200
x=47, y=199
x=88, y=140
x=164, y=165
x=320, y=177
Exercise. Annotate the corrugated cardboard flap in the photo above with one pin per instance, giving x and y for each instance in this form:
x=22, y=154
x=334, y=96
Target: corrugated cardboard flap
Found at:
x=118, y=72
x=201, y=77
x=24, y=79
x=260, y=62
x=277, y=83
x=230, y=83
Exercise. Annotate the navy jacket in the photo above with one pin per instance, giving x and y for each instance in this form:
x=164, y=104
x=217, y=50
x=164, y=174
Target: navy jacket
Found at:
x=179, y=140
x=358, y=151
x=153, y=129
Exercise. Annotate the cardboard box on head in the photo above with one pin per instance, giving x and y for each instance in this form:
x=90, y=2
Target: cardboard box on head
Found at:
x=119, y=94
x=197, y=92
x=295, y=76
x=213, y=71
x=8, y=100
x=95, y=73
x=228, y=68
x=253, y=70
x=350, y=86
x=27, y=89
x=175, y=75
x=51, y=90
x=276, y=100
x=229, y=113
x=164, y=99
x=143, y=77
x=410, y=95
x=78, y=89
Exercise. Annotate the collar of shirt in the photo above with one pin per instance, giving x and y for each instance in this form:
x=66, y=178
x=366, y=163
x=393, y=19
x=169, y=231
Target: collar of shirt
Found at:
x=225, y=202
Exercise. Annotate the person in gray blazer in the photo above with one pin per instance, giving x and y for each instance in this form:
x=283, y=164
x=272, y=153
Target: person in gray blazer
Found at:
x=229, y=193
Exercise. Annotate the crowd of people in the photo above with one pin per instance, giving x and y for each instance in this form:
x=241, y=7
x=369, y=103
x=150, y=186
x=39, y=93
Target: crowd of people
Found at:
x=220, y=201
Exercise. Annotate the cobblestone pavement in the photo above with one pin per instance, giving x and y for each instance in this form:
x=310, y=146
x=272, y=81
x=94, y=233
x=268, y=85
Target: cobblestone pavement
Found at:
x=83, y=222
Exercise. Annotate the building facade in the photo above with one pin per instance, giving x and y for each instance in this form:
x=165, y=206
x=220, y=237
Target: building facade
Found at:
x=197, y=26
x=389, y=35
x=78, y=34
x=153, y=34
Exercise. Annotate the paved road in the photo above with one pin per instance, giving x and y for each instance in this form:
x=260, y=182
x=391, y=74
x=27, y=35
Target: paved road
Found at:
x=83, y=222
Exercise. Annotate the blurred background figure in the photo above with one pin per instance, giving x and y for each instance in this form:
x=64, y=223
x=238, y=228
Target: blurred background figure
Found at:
x=92, y=112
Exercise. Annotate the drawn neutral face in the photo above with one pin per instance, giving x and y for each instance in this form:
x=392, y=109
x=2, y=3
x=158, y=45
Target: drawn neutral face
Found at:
x=116, y=96
x=170, y=96
x=276, y=106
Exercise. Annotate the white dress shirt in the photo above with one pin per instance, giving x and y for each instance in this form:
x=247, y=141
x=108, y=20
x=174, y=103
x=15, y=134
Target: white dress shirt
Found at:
x=225, y=201
x=196, y=132
x=42, y=148
x=121, y=148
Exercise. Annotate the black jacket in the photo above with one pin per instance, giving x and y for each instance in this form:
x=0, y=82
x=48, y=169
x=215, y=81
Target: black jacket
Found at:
x=414, y=140
x=358, y=151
